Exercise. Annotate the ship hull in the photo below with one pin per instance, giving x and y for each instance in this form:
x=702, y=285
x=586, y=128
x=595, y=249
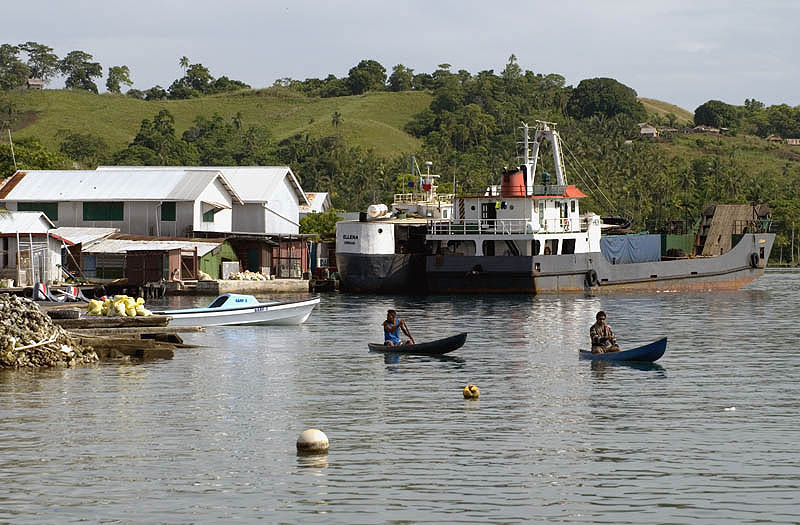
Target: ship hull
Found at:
x=592, y=273
x=381, y=273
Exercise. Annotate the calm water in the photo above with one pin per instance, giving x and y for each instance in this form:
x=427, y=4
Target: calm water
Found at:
x=210, y=435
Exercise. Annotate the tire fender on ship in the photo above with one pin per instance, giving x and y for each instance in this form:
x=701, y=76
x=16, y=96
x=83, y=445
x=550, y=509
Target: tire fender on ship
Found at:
x=754, y=260
x=591, y=278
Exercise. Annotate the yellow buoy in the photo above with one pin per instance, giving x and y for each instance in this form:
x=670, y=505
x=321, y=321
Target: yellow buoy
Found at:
x=312, y=441
x=472, y=392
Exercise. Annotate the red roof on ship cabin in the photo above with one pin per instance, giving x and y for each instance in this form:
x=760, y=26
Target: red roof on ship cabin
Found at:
x=571, y=192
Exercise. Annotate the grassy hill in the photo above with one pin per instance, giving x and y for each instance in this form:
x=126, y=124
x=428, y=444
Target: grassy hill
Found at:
x=375, y=120
x=664, y=108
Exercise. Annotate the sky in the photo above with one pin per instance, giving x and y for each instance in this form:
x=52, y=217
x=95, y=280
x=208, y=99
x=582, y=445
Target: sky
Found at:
x=684, y=52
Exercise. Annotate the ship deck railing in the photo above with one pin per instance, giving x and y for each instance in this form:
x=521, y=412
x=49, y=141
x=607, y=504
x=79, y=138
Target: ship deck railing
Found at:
x=506, y=226
x=414, y=198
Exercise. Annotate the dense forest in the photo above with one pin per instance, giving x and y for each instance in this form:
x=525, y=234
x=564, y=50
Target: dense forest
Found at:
x=469, y=131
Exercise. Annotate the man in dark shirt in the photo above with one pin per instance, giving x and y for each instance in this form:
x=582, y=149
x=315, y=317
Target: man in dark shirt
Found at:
x=603, y=339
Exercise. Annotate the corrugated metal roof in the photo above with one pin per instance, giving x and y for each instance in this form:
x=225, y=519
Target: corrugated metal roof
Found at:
x=251, y=183
x=78, y=234
x=86, y=185
x=125, y=245
x=24, y=222
x=316, y=202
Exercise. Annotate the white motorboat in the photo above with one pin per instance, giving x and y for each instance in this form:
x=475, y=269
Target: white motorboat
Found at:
x=237, y=309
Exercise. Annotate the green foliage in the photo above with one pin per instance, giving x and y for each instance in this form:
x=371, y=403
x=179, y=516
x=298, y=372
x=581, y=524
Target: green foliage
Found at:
x=320, y=223
x=8, y=112
x=156, y=144
x=715, y=113
x=220, y=143
x=30, y=155
x=368, y=75
x=198, y=81
x=605, y=96
x=13, y=71
x=42, y=61
x=80, y=70
x=87, y=149
x=401, y=79
x=118, y=75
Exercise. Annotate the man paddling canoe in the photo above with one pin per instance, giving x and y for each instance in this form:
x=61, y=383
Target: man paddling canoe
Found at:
x=391, y=330
x=603, y=339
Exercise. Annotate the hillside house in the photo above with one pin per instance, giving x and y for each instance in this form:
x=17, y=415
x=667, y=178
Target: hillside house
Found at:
x=773, y=138
x=30, y=252
x=648, y=131
x=152, y=202
x=793, y=142
x=34, y=83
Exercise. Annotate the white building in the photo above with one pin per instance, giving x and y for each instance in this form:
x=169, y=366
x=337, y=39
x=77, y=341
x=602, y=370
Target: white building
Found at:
x=319, y=202
x=30, y=252
x=162, y=202
x=271, y=196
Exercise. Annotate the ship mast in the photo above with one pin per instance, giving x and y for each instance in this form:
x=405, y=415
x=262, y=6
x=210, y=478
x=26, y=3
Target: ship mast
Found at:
x=544, y=131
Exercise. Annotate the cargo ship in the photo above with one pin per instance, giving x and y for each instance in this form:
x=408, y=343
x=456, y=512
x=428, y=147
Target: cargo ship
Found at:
x=529, y=236
x=384, y=250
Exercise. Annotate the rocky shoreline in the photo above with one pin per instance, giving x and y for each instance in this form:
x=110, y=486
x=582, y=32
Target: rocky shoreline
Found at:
x=30, y=339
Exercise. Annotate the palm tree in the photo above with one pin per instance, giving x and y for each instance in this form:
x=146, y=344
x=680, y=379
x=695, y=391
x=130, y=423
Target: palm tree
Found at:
x=184, y=63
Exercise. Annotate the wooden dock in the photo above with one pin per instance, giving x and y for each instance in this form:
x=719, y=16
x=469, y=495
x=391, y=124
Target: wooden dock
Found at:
x=148, y=337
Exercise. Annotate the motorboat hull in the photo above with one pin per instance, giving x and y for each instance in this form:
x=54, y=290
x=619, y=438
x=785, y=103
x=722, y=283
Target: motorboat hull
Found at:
x=288, y=313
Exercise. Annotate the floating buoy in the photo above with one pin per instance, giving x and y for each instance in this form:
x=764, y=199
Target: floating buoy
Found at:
x=730, y=409
x=472, y=392
x=312, y=441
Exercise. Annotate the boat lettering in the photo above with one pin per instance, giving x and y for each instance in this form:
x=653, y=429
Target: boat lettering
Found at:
x=350, y=236
x=260, y=308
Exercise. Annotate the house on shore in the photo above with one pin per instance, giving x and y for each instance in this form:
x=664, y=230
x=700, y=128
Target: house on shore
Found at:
x=153, y=202
x=29, y=251
x=265, y=222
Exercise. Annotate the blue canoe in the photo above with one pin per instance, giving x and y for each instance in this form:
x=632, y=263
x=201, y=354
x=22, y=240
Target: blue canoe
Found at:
x=648, y=353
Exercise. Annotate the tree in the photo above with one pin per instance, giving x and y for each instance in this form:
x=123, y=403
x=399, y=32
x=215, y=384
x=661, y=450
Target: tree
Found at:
x=118, y=75
x=79, y=70
x=715, y=113
x=8, y=113
x=89, y=150
x=42, y=61
x=604, y=96
x=156, y=144
x=184, y=63
x=30, y=155
x=367, y=75
x=401, y=78
x=155, y=93
x=320, y=223
x=13, y=72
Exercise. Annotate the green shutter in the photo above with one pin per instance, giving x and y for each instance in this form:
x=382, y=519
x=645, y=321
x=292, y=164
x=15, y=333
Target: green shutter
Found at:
x=49, y=208
x=209, y=216
x=168, y=211
x=103, y=211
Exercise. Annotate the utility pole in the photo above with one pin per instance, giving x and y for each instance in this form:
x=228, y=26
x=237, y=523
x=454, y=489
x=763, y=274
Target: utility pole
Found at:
x=13, y=157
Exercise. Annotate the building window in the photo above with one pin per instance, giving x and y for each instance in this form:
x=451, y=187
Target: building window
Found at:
x=49, y=208
x=209, y=216
x=168, y=211
x=568, y=246
x=572, y=206
x=103, y=211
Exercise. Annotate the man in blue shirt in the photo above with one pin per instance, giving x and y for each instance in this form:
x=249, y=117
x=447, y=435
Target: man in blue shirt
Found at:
x=391, y=330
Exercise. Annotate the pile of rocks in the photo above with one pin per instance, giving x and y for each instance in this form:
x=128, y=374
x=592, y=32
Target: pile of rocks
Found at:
x=247, y=275
x=28, y=338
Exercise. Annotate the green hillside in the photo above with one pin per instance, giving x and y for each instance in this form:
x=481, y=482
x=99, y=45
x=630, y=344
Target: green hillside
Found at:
x=374, y=120
x=665, y=108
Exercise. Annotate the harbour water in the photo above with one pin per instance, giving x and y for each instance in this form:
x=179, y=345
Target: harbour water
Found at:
x=707, y=435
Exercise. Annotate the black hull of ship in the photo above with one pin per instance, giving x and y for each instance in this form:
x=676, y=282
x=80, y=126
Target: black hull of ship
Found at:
x=592, y=273
x=382, y=274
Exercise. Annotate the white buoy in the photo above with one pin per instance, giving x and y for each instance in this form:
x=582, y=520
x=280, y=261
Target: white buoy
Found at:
x=312, y=441
x=730, y=409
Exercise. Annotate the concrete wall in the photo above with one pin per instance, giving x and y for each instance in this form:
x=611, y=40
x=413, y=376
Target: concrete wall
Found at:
x=286, y=208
